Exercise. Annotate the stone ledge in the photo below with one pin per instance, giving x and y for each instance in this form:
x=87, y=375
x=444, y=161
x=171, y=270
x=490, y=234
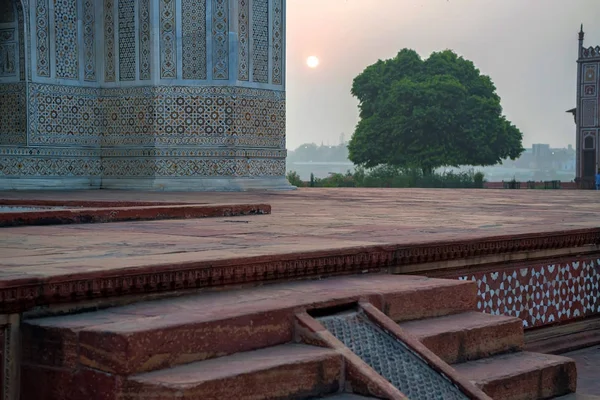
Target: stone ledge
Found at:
x=20, y=293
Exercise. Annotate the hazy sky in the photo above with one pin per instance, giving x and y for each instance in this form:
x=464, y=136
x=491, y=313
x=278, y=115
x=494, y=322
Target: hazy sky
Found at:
x=527, y=47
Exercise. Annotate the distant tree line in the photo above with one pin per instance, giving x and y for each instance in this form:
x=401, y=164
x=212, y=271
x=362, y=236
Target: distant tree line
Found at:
x=310, y=152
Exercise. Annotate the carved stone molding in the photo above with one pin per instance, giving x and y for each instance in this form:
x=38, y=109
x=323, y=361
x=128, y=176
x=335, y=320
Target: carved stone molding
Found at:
x=23, y=294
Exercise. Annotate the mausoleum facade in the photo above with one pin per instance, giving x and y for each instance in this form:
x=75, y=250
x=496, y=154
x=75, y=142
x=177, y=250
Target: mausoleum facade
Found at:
x=142, y=94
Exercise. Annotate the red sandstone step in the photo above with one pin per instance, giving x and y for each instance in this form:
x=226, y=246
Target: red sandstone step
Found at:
x=468, y=336
x=283, y=372
x=522, y=376
x=155, y=335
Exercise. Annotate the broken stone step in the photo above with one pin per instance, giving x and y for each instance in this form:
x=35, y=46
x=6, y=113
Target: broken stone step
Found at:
x=154, y=335
x=522, y=376
x=468, y=336
x=291, y=371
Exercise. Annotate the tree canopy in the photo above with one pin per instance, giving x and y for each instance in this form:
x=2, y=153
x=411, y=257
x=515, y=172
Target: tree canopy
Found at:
x=426, y=114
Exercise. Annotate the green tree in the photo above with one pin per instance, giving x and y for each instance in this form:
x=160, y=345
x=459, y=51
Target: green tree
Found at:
x=429, y=113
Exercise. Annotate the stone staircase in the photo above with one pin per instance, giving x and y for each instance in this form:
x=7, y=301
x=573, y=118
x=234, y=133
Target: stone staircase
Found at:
x=243, y=344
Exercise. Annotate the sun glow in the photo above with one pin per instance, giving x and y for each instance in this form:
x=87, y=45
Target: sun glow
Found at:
x=312, y=62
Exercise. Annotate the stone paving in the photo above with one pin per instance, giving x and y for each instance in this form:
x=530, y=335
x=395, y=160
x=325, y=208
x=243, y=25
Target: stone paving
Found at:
x=588, y=369
x=303, y=220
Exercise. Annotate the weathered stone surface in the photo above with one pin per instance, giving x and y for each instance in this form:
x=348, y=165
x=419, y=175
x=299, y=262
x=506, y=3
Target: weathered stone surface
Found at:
x=468, y=336
x=159, y=334
x=46, y=383
x=129, y=213
x=522, y=376
x=431, y=301
x=588, y=368
x=282, y=372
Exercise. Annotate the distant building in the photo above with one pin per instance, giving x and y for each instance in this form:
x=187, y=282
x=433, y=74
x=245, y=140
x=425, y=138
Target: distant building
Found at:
x=586, y=113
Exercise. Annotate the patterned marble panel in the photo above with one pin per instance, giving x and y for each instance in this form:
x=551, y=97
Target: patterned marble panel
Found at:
x=128, y=117
x=109, y=41
x=144, y=40
x=89, y=42
x=127, y=33
x=51, y=162
x=589, y=73
x=56, y=165
x=278, y=36
x=260, y=41
x=168, y=52
x=541, y=294
x=180, y=116
x=188, y=167
x=8, y=53
x=64, y=115
x=220, y=39
x=42, y=38
x=13, y=114
x=588, y=112
x=66, y=38
x=589, y=90
x=243, y=40
x=193, y=25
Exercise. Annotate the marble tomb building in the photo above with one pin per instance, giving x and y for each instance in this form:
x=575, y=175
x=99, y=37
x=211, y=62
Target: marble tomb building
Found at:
x=142, y=94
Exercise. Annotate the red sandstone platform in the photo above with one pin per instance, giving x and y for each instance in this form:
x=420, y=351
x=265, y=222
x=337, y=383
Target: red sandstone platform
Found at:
x=310, y=232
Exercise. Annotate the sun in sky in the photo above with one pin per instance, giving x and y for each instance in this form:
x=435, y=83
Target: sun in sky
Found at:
x=312, y=62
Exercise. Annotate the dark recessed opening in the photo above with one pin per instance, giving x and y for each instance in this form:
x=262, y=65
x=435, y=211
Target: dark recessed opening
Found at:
x=339, y=309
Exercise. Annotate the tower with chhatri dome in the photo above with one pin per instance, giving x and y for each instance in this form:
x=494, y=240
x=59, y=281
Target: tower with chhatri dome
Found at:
x=587, y=113
x=142, y=94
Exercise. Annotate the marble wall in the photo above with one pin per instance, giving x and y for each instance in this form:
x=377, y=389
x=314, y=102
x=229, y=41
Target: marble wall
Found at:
x=146, y=89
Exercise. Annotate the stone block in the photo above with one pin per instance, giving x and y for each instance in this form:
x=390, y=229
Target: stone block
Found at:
x=468, y=336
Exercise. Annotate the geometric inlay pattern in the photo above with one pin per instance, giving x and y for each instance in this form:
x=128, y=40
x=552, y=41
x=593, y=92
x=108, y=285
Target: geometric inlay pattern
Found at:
x=260, y=41
x=127, y=53
x=542, y=294
x=588, y=112
x=189, y=116
x=220, y=39
x=89, y=43
x=42, y=38
x=13, y=116
x=144, y=32
x=66, y=37
x=64, y=115
x=193, y=25
x=109, y=41
x=162, y=116
x=243, y=40
x=276, y=76
x=168, y=52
